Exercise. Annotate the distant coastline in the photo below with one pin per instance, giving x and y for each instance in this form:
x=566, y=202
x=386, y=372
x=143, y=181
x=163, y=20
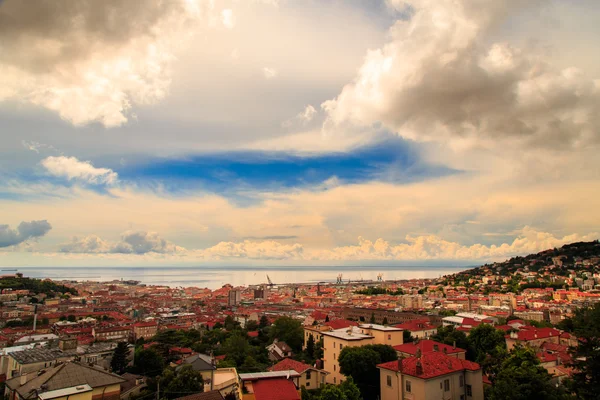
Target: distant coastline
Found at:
x=215, y=277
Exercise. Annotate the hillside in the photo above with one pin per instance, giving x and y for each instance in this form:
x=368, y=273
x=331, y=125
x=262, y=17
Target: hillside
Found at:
x=34, y=285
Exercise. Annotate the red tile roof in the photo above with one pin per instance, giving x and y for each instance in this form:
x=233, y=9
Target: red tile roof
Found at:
x=535, y=333
x=287, y=363
x=275, y=389
x=433, y=365
x=416, y=325
x=340, y=323
x=427, y=346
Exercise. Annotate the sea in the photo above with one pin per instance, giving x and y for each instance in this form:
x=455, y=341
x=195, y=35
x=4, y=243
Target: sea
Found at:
x=215, y=277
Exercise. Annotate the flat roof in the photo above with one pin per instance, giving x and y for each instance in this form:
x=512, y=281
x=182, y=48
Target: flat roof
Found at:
x=65, y=392
x=266, y=375
x=378, y=327
x=348, y=334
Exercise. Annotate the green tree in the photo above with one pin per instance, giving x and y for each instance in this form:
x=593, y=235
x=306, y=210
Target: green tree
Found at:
x=250, y=365
x=372, y=319
x=288, y=330
x=310, y=345
x=45, y=321
x=360, y=363
x=585, y=324
x=521, y=377
x=350, y=390
x=71, y=318
x=251, y=326
x=407, y=337
x=385, y=321
x=450, y=336
x=149, y=362
x=182, y=382
x=318, y=353
x=118, y=363
x=236, y=348
x=484, y=340
x=264, y=322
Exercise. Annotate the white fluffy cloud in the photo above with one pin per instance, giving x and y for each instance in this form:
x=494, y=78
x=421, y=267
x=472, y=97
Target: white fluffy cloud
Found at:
x=131, y=243
x=302, y=118
x=92, y=61
x=24, y=232
x=269, y=73
x=83, y=171
x=438, y=77
x=254, y=250
x=432, y=247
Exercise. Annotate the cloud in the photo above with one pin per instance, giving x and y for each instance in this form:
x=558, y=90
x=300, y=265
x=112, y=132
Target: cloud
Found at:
x=254, y=250
x=228, y=18
x=432, y=247
x=91, y=61
x=303, y=117
x=83, y=171
x=131, y=242
x=440, y=78
x=24, y=232
x=37, y=146
x=269, y=73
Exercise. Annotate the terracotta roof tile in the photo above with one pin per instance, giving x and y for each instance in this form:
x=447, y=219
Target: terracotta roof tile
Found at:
x=433, y=365
x=275, y=389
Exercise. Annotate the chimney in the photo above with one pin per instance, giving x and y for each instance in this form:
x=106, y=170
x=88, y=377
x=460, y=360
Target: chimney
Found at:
x=418, y=353
x=454, y=344
x=445, y=350
x=419, y=368
x=436, y=347
x=400, y=358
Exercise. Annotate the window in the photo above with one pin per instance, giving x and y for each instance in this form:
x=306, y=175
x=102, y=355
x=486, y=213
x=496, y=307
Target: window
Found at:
x=446, y=385
x=389, y=337
x=461, y=381
x=469, y=391
x=308, y=371
x=307, y=384
x=334, y=367
x=408, y=387
x=334, y=379
x=389, y=380
x=341, y=346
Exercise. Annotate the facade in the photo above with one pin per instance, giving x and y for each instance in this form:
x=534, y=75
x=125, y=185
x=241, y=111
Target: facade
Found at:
x=393, y=317
x=533, y=337
x=234, y=297
x=431, y=376
x=32, y=360
x=144, y=330
x=117, y=333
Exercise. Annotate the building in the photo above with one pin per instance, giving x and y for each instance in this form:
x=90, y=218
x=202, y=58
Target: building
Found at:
x=429, y=346
x=70, y=380
x=335, y=341
x=115, y=333
x=280, y=385
x=392, y=317
x=202, y=363
x=234, y=297
x=212, y=395
x=144, y=330
x=532, y=337
x=310, y=377
x=279, y=350
x=432, y=375
x=27, y=361
x=419, y=329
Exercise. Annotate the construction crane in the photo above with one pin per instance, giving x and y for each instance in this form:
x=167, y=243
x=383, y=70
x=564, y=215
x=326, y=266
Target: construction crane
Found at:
x=339, y=278
x=270, y=282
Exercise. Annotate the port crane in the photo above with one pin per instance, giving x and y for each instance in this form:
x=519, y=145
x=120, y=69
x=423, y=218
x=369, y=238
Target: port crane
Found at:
x=271, y=284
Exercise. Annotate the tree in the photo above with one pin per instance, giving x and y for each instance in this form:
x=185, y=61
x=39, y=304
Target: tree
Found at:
x=149, y=362
x=450, y=336
x=372, y=320
x=385, y=321
x=288, y=330
x=119, y=358
x=521, y=377
x=318, y=353
x=350, y=390
x=585, y=324
x=251, y=326
x=182, y=382
x=236, y=348
x=250, y=365
x=485, y=340
x=360, y=363
x=407, y=337
x=327, y=318
x=264, y=322
x=331, y=392
x=310, y=345
x=71, y=318
x=45, y=321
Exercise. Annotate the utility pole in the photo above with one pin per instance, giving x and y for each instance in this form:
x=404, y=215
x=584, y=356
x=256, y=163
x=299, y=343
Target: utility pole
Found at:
x=158, y=387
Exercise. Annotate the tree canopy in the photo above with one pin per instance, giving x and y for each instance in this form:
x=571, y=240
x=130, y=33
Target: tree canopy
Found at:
x=288, y=330
x=360, y=363
x=118, y=363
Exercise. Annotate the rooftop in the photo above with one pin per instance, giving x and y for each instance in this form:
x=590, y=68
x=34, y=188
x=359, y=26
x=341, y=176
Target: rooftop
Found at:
x=431, y=365
x=52, y=394
x=352, y=333
x=268, y=375
x=378, y=327
x=35, y=355
x=427, y=346
x=275, y=389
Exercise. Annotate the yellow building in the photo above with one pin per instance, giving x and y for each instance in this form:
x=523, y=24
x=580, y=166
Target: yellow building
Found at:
x=431, y=376
x=310, y=377
x=335, y=341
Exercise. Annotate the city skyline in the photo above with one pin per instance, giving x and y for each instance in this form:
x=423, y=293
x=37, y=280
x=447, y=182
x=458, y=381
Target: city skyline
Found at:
x=283, y=133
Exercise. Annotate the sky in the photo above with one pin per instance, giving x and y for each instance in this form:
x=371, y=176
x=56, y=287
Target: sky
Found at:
x=288, y=132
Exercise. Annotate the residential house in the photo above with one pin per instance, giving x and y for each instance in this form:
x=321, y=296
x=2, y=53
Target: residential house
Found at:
x=429, y=346
x=280, y=385
x=432, y=375
x=212, y=395
x=202, y=363
x=146, y=330
x=32, y=360
x=310, y=377
x=279, y=350
x=63, y=381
